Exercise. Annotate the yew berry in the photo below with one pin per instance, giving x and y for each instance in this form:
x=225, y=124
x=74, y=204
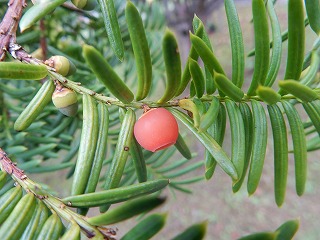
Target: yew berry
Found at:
x=84, y=4
x=62, y=65
x=156, y=129
x=65, y=100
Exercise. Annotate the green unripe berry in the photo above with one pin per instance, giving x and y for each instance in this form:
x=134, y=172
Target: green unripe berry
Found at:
x=62, y=65
x=84, y=4
x=65, y=100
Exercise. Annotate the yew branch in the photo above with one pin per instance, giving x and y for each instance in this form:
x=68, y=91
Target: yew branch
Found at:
x=9, y=25
x=52, y=202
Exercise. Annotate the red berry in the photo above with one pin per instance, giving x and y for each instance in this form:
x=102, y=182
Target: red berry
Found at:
x=156, y=129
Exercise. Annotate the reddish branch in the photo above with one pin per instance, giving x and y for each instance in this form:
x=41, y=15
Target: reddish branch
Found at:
x=9, y=25
x=8, y=166
x=8, y=29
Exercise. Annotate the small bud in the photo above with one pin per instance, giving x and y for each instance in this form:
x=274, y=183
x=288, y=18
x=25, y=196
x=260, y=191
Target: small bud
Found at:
x=65, y=100
x=85, y=4
x=62, y=65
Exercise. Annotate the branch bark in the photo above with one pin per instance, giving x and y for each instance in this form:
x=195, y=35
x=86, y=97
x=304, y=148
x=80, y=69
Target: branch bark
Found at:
x=8, y=166
x=9, y=25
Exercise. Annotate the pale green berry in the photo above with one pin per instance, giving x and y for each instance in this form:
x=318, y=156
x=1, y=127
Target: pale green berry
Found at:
x=66, y=101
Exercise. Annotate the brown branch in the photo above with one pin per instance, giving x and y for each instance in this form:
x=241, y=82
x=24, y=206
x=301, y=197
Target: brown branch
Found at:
x=9, y=25
x=43, y=41
x=8, y=166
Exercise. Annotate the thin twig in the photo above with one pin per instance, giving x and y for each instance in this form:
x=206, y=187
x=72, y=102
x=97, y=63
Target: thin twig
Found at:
x=52, y=202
